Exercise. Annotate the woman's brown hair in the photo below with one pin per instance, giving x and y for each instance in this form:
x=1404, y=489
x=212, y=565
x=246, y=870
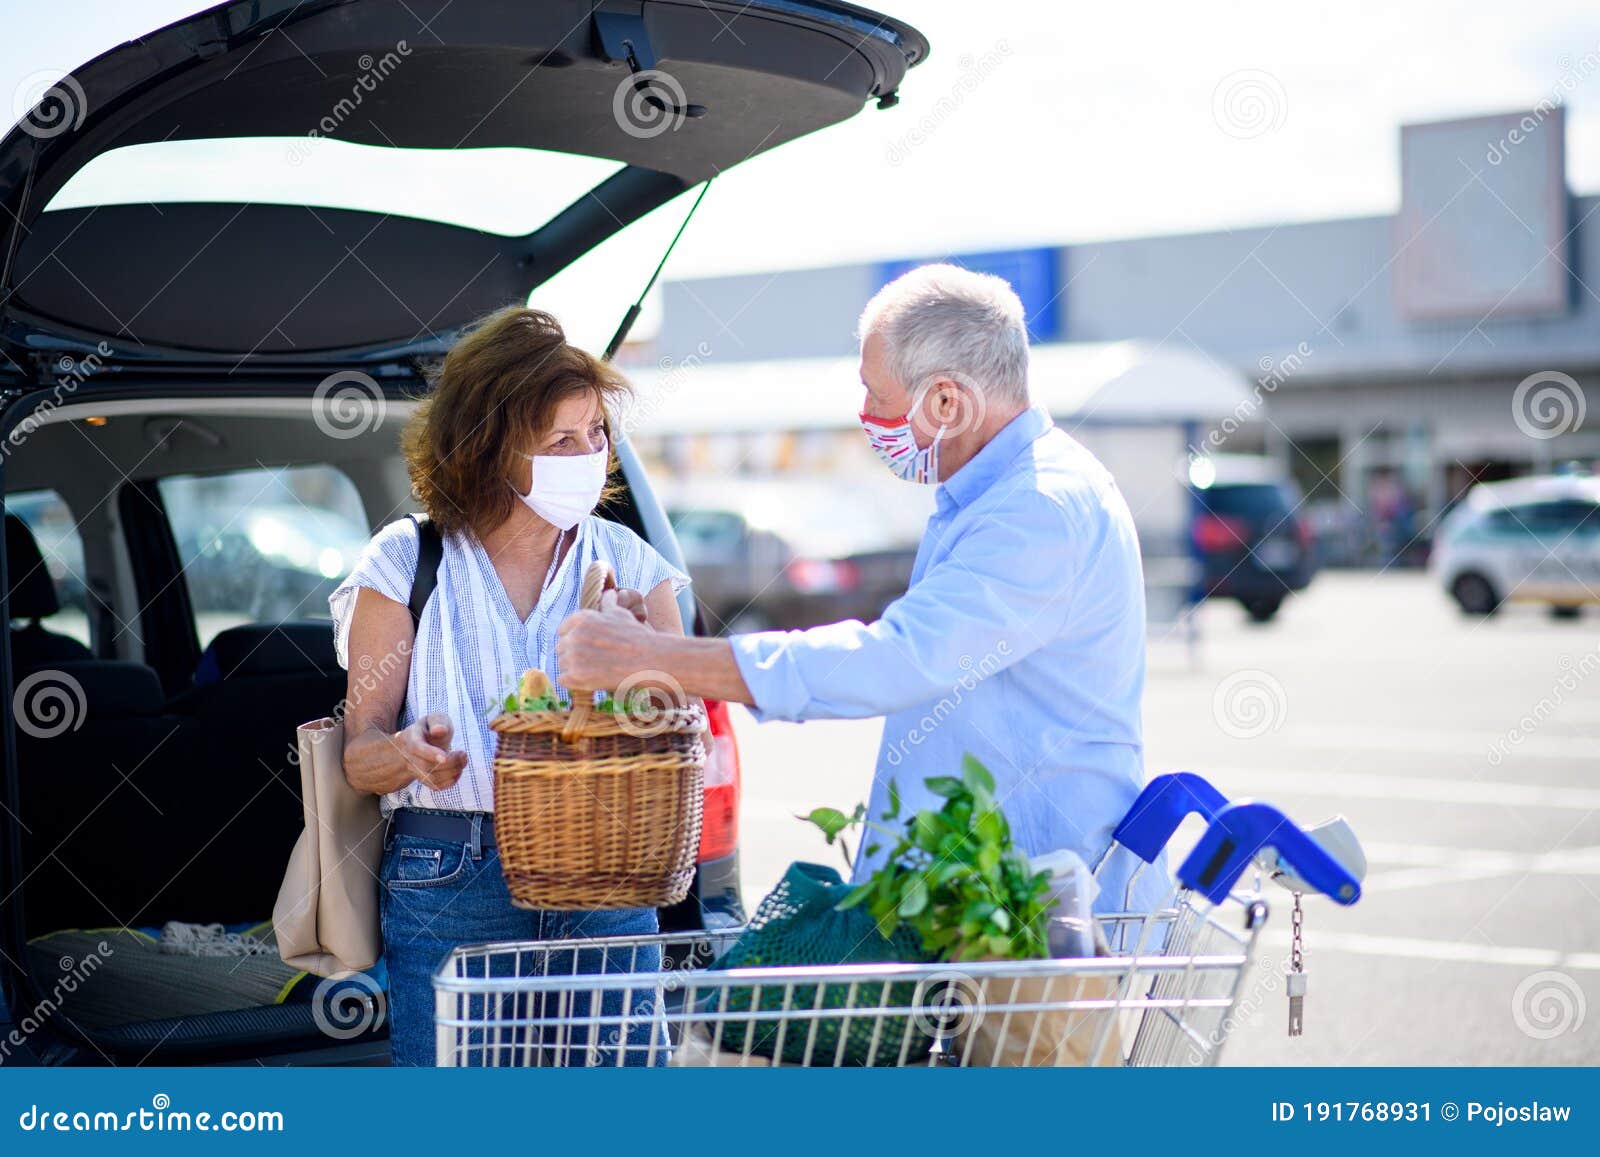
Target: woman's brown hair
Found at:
x=492, y=398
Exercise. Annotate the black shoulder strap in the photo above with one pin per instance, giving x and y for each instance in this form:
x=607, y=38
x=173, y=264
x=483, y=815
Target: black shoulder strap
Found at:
x=430, y=552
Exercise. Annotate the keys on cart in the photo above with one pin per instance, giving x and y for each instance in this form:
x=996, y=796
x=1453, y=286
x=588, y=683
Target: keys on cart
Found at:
x=1295, y=982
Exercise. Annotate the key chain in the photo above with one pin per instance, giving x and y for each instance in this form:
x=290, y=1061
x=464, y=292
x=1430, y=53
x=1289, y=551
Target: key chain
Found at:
x=1295, y=981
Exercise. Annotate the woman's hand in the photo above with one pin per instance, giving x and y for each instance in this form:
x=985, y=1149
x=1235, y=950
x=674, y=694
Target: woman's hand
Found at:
x=425, y=749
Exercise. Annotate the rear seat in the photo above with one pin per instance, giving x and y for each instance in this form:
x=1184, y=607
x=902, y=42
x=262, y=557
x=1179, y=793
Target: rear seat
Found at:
x=184, y=810
x=95, y=800
x=139, y=810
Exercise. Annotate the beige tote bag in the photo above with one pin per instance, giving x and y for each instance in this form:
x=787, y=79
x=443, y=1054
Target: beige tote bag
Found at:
x=326, y=917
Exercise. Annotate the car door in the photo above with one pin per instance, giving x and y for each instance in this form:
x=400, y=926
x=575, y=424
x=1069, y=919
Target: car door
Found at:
x=1564, y=564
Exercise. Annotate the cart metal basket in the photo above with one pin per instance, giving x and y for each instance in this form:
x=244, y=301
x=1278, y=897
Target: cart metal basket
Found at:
x=1166, y=996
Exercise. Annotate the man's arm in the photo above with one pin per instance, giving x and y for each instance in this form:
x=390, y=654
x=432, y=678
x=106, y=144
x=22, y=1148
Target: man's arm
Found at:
x=599, y=650
x=1003, y=590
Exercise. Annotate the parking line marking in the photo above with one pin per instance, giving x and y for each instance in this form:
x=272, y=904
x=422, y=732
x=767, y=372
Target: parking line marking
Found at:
x=1425, y=867
x=1450, y=951
x=1406, y=787
x=1473, y=744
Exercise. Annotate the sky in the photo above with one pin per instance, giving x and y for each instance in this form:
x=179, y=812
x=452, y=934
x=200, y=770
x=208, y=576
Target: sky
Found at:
x=1042, y=122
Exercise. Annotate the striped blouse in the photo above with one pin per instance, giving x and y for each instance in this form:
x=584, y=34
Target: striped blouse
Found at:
x=471, y=648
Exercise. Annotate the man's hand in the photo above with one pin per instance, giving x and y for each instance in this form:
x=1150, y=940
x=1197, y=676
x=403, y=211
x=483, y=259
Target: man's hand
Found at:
x=633, y=602
x=425, y=745
x=600, y=650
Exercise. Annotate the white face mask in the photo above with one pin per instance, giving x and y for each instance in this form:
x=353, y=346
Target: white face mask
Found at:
x=566, y=487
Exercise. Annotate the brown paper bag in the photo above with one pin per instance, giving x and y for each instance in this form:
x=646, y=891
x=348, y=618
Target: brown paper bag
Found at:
x=1055, y=1039
x=326, y=917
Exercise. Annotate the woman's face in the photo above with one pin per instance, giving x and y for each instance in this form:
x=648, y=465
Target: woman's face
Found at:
x=577, y=427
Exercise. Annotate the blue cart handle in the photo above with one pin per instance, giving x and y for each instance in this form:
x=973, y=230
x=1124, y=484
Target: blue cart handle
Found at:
x=1238, y=835
x=1165, y=802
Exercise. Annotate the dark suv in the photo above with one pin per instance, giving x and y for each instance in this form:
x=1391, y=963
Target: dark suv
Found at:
x=199, y=401
x=1251, y=541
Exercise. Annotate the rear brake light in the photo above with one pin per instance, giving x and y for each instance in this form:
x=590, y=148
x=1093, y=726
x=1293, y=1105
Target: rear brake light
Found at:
x=815, y=576
x=1214, y=532
x=719, y=830
x=1303, y=535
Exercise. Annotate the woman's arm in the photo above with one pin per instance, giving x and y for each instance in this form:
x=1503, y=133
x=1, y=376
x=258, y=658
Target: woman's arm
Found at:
x=377, y=758
x=661, y=609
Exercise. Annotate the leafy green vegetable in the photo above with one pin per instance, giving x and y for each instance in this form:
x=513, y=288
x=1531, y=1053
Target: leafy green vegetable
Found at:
x=954, y=874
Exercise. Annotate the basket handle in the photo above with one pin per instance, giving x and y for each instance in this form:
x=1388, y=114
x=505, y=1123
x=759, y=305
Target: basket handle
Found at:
x=596, y=580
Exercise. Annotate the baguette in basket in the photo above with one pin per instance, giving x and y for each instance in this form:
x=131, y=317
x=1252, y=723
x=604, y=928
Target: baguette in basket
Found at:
x=598, y=807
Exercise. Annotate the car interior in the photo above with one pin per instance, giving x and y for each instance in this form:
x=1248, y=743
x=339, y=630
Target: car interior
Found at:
x=157, y=776
x=180, y=519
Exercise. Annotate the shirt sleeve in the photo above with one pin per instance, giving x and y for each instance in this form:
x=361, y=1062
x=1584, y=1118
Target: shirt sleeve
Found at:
x=639, y=565
x=388, y=565
x=1004, y=589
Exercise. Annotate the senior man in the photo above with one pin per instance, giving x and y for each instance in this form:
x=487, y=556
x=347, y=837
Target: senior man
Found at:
x=1021, y=637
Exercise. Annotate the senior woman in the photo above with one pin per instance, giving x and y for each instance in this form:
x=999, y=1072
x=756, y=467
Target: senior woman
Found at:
x=509, y=455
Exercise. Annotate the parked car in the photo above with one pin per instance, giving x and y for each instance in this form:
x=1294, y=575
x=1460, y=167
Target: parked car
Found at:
x=1527, y=540
x=1247, y=531
x=150, y=343
x=787, y=554
x=271, y=562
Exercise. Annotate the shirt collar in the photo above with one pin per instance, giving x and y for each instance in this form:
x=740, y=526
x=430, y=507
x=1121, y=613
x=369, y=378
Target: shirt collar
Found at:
x=987, y=465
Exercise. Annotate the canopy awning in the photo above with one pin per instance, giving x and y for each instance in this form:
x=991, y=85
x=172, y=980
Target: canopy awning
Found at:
x=1080, y=383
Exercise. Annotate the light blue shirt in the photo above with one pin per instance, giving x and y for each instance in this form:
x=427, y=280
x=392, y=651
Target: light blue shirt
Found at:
x=1021, y=640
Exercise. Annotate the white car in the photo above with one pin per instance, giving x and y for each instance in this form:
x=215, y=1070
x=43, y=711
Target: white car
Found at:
x=1528, y=540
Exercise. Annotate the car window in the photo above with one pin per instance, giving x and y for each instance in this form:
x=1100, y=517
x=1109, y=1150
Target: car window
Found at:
x=1253, y=500
x=707, y=536
x=1558, y=518
x=56, y=532
x=263, y=545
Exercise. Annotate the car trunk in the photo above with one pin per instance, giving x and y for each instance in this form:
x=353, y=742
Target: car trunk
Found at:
x=191, y=299
x=672, y=92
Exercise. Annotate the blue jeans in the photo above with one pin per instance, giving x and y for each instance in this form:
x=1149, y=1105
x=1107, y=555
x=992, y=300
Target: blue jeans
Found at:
x=439, y=895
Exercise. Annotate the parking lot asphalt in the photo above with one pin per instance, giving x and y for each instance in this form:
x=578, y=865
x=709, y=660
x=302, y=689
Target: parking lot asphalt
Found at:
x=1466, y=755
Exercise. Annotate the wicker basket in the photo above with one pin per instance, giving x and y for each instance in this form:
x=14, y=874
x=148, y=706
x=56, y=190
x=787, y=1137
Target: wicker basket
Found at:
x=594, y=809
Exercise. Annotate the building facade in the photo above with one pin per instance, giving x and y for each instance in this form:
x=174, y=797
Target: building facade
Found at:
x=1395, y=359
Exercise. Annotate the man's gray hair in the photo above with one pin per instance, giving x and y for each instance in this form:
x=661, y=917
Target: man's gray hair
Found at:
x=941, y=319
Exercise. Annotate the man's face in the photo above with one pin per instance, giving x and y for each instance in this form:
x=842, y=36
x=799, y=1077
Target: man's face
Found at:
x=892, y=399
x=887, y=398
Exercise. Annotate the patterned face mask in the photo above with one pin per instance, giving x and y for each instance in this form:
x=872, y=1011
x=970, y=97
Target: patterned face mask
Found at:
x=894, y=443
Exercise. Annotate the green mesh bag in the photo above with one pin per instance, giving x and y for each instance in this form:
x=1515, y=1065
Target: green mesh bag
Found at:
x=799, y=923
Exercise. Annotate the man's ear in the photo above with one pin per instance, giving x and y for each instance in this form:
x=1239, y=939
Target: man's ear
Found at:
x=947, y=403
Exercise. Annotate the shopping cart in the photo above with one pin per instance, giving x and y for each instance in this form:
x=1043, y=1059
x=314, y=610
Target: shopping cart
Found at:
x=1164, y=996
